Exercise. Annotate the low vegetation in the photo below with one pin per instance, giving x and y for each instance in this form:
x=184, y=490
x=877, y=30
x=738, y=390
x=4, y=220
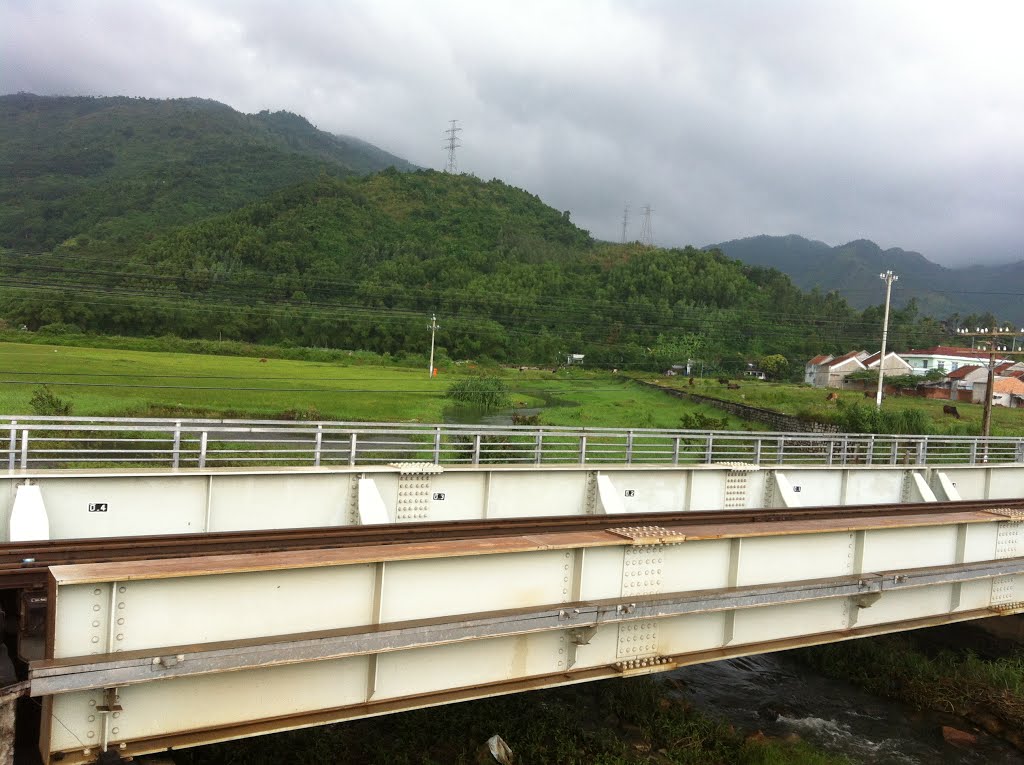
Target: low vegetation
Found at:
x=988, y=692
x=484, y=393
x=852, y=410
x=614, y=722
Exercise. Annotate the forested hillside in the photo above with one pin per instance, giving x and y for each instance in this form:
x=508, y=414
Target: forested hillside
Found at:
x=362, y=262
x=103, y=175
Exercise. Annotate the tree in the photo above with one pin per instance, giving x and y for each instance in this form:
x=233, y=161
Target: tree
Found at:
x=774, y=366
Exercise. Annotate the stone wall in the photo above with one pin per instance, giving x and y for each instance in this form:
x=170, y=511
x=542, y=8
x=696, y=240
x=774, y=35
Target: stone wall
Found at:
x=785, y=423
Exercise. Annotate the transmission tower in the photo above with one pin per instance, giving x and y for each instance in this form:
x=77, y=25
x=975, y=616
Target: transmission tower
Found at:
x=625, y=222
x=452, y=144
x=646, y=236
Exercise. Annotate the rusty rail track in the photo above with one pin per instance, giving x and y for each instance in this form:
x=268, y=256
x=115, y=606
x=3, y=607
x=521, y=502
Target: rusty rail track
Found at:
x=24, y=564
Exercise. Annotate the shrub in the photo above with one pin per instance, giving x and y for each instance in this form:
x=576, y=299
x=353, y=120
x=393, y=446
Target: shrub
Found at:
x=859, y=418
x=45, y=402
x=485, y=393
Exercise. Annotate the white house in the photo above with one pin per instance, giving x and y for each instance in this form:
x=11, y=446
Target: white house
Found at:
x=945, y=358
x=833, y=373
x=811, y=367
x=894, y=365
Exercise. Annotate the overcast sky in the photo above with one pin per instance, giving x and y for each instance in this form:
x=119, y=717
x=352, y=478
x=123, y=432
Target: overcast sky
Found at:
x=901, y=122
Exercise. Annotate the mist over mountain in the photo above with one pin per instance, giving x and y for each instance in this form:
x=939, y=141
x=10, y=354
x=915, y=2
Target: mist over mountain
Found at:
x=852, y=269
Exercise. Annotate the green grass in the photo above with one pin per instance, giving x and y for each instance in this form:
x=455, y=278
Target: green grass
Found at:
x=125, y=382
x=805, y=401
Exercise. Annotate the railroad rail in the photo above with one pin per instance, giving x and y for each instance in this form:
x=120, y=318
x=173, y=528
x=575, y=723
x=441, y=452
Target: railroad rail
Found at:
x=70, y=442
x=26, y=564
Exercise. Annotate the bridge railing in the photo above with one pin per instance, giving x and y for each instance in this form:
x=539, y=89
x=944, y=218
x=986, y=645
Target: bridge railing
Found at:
x=83, y=442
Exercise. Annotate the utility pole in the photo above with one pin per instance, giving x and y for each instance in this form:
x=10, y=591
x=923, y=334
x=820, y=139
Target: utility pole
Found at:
x=990, y=337
x=625, y=222
x=888, y=277
x=452, y=144
x=646, y=235
x=433, y=330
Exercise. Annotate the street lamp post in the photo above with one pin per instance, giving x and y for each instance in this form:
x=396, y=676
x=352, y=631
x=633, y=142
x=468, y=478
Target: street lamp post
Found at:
x=888, y=277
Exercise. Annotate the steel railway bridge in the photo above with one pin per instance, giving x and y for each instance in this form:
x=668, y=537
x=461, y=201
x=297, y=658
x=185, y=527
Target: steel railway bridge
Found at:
x=169, y=583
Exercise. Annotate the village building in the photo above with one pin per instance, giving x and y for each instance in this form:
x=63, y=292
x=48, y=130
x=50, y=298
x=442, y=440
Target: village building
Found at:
x=1006, y=391
x=958, y=385
x=811, y=367
x=894, y=364
x=944, y=358
x=833, y=374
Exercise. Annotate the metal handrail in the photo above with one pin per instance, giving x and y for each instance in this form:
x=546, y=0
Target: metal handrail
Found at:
x=63, y=442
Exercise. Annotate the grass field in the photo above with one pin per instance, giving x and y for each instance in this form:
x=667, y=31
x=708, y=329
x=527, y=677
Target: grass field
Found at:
x=117, y=382
x=805, y=401
x=124, y=382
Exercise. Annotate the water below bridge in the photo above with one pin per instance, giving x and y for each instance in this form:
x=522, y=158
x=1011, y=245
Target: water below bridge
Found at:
x=776, y=695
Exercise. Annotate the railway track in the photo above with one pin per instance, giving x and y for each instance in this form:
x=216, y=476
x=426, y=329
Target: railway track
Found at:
x=25, y=564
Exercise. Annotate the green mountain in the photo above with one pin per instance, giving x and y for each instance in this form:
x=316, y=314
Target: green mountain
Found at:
x=146, y=217
x=362, y=262
x=111, y=172
x=853, y=268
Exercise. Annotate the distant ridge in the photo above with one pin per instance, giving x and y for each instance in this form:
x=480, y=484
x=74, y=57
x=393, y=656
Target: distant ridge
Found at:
x=852, y=270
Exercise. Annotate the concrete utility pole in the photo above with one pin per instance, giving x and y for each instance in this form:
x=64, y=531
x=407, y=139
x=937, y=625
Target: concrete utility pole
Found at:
x=433, y=329
x=888, y=277
x=991, y=336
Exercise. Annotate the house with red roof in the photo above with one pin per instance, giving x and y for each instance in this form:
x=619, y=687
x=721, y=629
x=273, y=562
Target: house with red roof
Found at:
x=811, y=367
x=833, y=372
x=945, y=358
x=957, y=385
x=1007, y=391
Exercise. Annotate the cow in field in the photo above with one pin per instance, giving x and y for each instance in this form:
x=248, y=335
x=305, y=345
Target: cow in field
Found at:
x=833, y=396
x=951, y=411
x=732, y=386
x=263, y=361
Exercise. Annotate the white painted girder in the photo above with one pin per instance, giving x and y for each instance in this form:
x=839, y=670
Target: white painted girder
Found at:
x=96, y=504
x=656, y=604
